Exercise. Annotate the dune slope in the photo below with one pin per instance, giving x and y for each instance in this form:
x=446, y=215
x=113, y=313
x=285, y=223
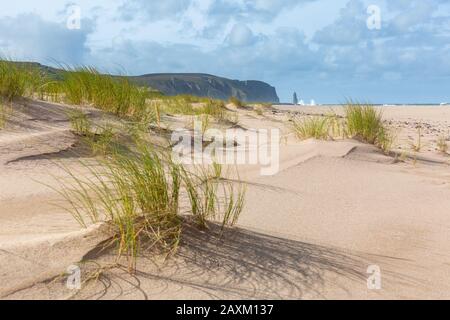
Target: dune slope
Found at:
x=309, y=232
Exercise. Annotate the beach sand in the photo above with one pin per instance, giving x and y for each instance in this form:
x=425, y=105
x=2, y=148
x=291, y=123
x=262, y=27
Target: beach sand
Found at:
x=311, y=231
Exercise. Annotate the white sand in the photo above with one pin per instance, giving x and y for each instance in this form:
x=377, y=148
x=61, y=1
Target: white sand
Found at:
x=308, y=232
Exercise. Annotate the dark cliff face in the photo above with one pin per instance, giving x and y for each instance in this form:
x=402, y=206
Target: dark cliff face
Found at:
x=209, y=86
x=197, y=84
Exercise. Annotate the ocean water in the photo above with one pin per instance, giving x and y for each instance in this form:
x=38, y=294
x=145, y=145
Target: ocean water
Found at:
x=290, y=105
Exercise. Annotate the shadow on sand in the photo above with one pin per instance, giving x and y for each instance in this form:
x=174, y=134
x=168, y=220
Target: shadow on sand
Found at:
x=241, y=264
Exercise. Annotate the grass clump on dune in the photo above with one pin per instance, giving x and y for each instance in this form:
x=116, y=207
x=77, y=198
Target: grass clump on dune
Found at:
x=365, y=123
x=312, y=127
x=139, y=195
x=136, y=195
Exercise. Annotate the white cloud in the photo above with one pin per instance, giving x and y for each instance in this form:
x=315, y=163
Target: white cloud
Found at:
x=240, y=35
x=29, y=37
x=152, y=10
x=413, y=16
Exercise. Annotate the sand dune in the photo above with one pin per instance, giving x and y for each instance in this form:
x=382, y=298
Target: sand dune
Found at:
x=310, y=231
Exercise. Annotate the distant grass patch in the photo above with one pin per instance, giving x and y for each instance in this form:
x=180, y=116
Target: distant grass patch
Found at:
x=195, y=106
x=361, y=122
x=214, y=108
x=259, y=110
x=17, y=79
x=236, y=102
x=86, y=86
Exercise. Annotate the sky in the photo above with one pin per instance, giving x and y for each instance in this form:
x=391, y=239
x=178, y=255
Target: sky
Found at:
x=379, y=51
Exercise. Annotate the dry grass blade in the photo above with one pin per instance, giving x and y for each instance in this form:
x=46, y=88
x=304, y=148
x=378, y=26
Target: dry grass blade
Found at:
x=213, y=197
x=80, y=122
x=418, y=144
x=442, y=144
x=5, y=114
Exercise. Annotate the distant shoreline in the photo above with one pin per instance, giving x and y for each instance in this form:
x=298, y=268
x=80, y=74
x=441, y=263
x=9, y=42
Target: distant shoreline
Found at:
x=375, y=104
